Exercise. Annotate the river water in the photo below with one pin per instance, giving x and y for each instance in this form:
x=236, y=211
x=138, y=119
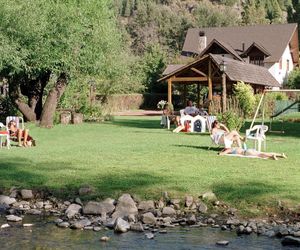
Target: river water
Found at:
x=45, y=235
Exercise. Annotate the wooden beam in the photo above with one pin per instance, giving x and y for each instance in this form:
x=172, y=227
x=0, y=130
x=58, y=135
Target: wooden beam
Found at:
x=170, y=91
x=189, y=79
x=198, y=71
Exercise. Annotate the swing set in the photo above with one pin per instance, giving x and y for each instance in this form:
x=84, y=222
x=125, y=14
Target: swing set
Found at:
x=262, y=105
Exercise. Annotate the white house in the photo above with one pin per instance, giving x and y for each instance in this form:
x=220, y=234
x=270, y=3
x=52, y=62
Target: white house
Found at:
x=274, y=46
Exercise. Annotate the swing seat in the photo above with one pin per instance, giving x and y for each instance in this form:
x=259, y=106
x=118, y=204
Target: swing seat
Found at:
x=257, y=133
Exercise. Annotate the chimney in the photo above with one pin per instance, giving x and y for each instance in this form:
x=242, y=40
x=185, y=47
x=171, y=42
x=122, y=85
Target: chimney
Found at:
x=202, y=41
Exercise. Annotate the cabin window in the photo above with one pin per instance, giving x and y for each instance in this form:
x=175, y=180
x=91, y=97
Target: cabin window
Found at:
x=257, y=60
x=287, y=65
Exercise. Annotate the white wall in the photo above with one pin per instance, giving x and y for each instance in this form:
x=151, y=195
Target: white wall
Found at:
x=281, y=74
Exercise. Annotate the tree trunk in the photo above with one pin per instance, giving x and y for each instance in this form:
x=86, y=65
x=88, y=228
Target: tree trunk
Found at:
x=52, y=101
x=15, y=96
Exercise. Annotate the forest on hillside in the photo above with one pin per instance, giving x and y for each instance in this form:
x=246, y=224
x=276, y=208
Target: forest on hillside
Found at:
x=56, y=51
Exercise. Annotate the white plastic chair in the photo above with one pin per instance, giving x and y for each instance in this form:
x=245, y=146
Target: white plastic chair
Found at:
x=4, y=134
x=209, y=121
x=17, y=119
x=165, y=121
x=257, y=133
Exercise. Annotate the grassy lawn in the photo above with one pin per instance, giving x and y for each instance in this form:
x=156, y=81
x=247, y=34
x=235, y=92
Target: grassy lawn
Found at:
x=133, y=154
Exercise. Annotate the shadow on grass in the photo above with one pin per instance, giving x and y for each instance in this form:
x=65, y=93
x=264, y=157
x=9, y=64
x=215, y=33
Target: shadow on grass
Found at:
x=14, y=172
x=137, y=123
x=291, y=129
x=199, y=147
x=240, y=191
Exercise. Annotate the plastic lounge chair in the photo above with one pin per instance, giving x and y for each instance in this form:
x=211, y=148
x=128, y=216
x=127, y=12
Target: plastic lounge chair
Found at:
x=165, y=121
x=17, y=119
x=4, y=133
x=257, y=133
x=227, y=143
x=209, y=121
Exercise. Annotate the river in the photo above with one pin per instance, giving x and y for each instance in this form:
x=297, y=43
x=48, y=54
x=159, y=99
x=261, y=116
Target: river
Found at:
x=45, y=235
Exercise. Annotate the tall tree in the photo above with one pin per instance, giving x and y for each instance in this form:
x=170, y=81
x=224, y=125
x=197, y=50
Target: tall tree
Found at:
x=254, y=13
x=44, y=44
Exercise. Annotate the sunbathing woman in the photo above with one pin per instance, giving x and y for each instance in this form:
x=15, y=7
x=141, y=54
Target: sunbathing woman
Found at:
x=221, y=134
x=20, y=135
x=251, y=152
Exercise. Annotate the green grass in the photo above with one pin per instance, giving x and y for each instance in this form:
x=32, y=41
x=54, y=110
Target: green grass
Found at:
x=133, y=154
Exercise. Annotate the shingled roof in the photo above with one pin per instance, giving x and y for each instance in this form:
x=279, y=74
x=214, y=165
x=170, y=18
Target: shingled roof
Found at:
x=273, y=37
x=235, y=71
x=249, y=73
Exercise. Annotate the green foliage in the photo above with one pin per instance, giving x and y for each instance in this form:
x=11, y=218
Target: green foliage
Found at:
x=152, y=65
x=6, y=108
x=245, y=96
x=232, y=120
x=209, y=15
x=254, y=13
x=294, y=79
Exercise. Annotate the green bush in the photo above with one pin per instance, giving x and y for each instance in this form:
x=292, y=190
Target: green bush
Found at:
x=232, y=120
x=294, y=79
x=245, y=96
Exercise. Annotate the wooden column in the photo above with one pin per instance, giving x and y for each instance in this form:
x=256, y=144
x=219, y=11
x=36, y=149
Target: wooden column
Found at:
x=224, y=92
x=170, y=91
x=198, y=95
x=210, y=89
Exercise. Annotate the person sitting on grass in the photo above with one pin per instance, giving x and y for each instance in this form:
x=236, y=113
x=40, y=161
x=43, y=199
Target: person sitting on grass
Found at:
x=22, y=136
x=221, y=134
x=169, y=112
x=252, y=152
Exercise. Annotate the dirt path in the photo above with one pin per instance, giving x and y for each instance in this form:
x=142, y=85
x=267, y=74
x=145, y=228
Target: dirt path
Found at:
x=140, y=112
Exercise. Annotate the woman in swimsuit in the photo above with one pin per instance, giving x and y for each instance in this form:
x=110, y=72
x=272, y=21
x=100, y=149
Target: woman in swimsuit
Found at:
x=219, y=129
x=20, y=134
x=252, y=152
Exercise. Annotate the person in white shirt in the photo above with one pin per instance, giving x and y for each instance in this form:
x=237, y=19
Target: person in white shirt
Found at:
x=190, y=109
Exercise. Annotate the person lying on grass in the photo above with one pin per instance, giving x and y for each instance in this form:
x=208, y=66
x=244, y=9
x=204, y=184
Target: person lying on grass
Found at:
x=252, y=152
x=22, y=136
x=221, y=133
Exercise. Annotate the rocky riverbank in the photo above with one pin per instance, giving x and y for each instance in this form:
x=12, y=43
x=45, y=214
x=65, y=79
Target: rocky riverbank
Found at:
x=149, y=217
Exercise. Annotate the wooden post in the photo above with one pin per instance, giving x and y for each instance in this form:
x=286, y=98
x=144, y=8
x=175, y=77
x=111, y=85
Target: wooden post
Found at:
x=170, y=91
x=198, y=95
x=224, y=92
x=210, y=89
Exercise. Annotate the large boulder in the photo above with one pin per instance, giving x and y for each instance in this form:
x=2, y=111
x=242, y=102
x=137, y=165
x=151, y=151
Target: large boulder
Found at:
x=209, y=196
x=81, y=224
x=72, y=210
x=6, y=200
x=148, y=218
x=13, y=218
x=168, y=211
x=202, y=208
x=146, y=205
x=290, y=241
x=121, y=226
x=99, y=208
x=189, y=200
x=125, y=206
x=26, y=194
